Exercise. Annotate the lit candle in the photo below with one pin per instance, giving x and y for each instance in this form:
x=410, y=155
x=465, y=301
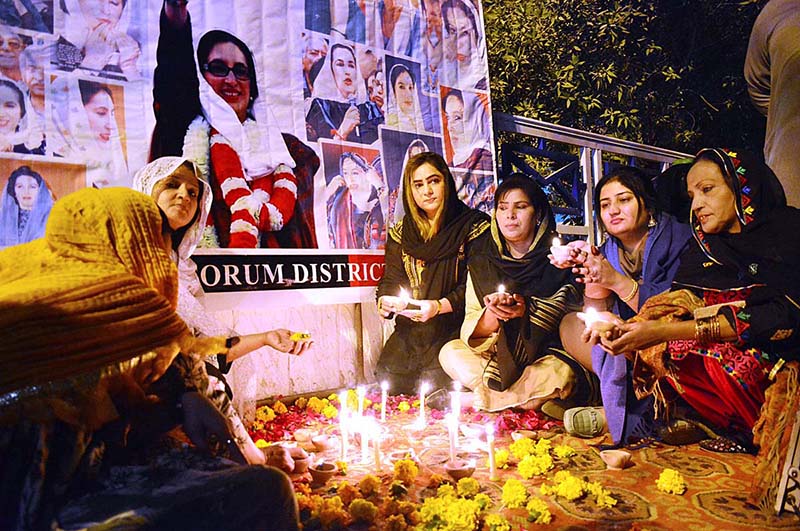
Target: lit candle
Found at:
x=594, y=321
x=361, y=391
x=455, y=400
x=403, y=295
x=501, y=288
x=343, y=422
x=492, y=464
x=424, y=387
x=452, y=430
x=384, y=390
x=561, y=253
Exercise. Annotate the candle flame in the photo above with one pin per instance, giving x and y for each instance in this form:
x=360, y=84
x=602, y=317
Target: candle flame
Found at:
x=501, y=288
x=556, y=241
x=385, y=385
x=490, y=430
x=403, y=294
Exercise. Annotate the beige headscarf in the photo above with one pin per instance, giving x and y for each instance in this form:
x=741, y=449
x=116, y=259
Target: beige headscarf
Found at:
x=98, y=290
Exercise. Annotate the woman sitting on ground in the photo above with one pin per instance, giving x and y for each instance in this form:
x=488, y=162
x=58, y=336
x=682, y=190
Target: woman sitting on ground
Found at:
x=732, y=319
x=185, y=200
x=100, y=290
x=426, y=255
x=639, y=259
x=509, y=352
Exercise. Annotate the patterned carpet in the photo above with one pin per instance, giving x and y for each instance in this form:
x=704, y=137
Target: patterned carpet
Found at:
x=715, y=497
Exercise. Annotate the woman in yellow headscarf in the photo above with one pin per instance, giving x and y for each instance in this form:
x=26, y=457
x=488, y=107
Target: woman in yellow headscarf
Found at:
x=87, y=323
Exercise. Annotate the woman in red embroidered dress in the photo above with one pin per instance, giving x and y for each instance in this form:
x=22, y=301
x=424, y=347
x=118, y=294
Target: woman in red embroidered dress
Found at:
x=732, y=319
x=212, y=115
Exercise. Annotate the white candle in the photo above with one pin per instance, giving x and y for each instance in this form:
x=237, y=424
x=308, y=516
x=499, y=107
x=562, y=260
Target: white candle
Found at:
x=343, y=422
x=490, y=440
x=452, y=430
x=556, y=242
x=560, y=252
x=364, y=441
x=403, y=295
x=501, y=288
x=455, y=400
x=376, y=446
x=384, y=390
x=361, y=391
x=424, y=387
x=594, y=321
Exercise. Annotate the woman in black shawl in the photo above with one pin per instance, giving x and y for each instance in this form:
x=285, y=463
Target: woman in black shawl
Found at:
x=425, y=256
x=509, y=352
x=733, y=317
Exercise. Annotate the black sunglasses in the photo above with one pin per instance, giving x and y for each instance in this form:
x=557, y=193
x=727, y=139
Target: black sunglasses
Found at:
x=218, y=68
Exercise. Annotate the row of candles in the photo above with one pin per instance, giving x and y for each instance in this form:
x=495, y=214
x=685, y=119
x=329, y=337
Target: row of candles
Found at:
x=356, y=423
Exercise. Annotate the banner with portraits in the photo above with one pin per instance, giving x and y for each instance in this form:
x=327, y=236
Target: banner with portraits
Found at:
x=300, y=114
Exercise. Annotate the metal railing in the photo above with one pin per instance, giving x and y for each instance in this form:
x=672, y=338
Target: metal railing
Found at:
x=572, y=182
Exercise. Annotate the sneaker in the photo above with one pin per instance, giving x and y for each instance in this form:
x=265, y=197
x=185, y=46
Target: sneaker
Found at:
x=585, y=422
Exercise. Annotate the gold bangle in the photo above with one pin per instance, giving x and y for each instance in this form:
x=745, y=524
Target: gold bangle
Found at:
x=707, y=330
x=776, y=369
x=438, y=307
x=632, y=294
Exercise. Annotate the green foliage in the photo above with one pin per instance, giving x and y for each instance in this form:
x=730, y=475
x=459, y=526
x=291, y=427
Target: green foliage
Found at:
x=664, y=72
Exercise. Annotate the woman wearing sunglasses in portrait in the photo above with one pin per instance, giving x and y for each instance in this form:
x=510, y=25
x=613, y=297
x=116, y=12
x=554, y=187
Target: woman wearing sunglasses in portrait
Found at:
x=211, y=114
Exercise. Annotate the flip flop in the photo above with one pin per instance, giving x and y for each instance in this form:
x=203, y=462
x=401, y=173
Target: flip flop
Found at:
x=723, y=445
x=681, y=432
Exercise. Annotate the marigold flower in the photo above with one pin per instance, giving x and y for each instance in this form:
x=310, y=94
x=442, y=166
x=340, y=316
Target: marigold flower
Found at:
x=341, y=467
x=483, y=501
x=435, y=481
x=671, y=482
x=538, y=511
x=534, y=465
x=468, y=487
x=301, y=402
x=396, y=522
x=405, y=470
x=261, y=443
x=522, y=447
x=497, y=522
x=514, y=493
x=316, y=405
x=330, y=411
x=265, y=414
x=403, y=406
x=500, y=458
x=279, y=408
x=347, y=492
x=563, y=451
x=369, y=485
x=446, y=490
x=363, y=511
x=332, y=513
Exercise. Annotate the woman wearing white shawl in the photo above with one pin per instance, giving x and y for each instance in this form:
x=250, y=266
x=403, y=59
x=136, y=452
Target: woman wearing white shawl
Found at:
x=340, y=108
x=18, y=129
x=403, y=111
x=165, y=174
x=94, y=37
x=84, y=129
x=401, y=27
x=468, y=131
x=464, y=64
x=23, y=215
x=229, y=132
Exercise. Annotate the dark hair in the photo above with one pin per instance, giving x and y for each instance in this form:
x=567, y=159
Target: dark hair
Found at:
x=343, y=46
x=459, y=4
x=90, y=88
x=16, y=174
x=437, y=161
x=634, y=180
x=214, y=37
x=713, y=155
x=398, y=69
x=20, y=95
x=529, y=187
x=455, y=93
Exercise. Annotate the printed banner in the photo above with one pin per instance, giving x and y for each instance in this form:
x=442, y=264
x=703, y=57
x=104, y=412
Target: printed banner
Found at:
x=301, y=115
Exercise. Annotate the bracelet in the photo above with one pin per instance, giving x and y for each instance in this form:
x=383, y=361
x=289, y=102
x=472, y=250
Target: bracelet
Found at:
x=776, y=369
x=438, y=308
x=632, y=294
x=707, y=330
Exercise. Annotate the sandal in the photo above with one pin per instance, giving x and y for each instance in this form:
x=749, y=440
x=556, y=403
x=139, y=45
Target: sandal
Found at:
x=723, y=445
x=586, y=422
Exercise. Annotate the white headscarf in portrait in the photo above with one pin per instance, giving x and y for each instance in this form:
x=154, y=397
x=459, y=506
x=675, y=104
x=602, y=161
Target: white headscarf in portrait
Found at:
x=257, y=141
x=476, y=129
x=190, y=309
x=28, y=132
x=325, y=85
x=75, y=29
x=395, y=116
x=470, y=73
x=399, y=210
x=71, y=137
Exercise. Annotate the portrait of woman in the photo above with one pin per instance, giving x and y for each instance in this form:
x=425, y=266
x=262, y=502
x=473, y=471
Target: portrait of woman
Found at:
x=210, y=112
x=396, y=210
x=467, y=126
x=94, y=37
x=356, y=205
x=340, y=108
x=403, y=111
x=432, y=44
x=19, y=131
x=401, y=27
x=85, y=129
x=464, y=63
x=25, y=207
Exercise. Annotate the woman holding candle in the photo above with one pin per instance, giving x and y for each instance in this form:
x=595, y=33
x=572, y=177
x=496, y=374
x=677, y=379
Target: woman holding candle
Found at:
x=509, y=352
x=731, y=322
x=426, y=252
x=638, y=259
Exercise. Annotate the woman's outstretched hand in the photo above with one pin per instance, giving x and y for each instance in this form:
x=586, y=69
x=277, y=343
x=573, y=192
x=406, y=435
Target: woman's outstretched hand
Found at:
x=633, y=336
x=505, y=306
x=281, y=340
